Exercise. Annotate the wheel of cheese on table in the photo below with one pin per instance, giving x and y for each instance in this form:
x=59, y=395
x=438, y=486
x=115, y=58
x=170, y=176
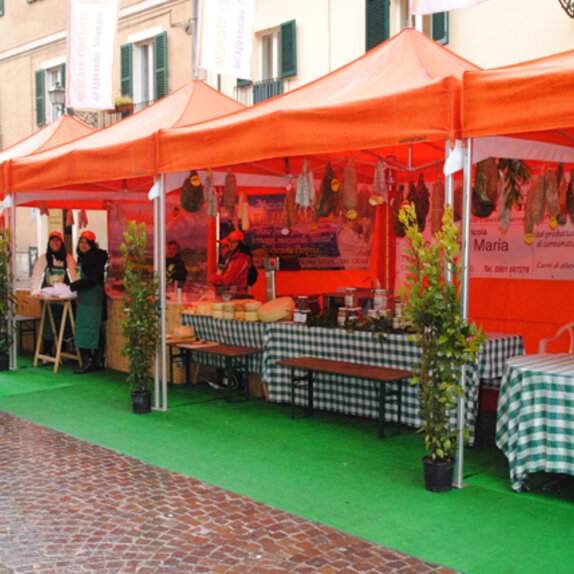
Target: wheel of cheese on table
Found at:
x=278, y=309
x=184, y=331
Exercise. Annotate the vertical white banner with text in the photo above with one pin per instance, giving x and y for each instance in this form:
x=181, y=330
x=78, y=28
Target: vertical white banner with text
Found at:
x=91, y=39
x=227, y=37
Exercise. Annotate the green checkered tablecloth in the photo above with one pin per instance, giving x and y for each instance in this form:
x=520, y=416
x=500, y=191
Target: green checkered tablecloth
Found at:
x=497, y=350
x=331, y=391
x=229, y=332
x=535, y=421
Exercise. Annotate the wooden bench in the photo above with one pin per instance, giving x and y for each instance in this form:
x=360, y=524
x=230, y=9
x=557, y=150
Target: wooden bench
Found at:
x=380, y=376
x=236, y=362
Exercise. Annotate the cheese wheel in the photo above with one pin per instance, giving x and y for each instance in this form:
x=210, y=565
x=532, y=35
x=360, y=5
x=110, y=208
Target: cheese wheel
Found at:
x=251, y=316
x=276, y=310
x=217, y=315
x=228, y=315
x=184, y=331
x=252, y=306
x=228, y=307
x=217, y=306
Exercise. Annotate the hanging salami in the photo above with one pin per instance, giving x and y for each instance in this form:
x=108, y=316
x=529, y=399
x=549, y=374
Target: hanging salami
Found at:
x=192, y=192
x=396, y=205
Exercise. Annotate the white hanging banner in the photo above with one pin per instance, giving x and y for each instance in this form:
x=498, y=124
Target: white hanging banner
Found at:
x=91, y=38
x=432, y=6
x=226, y=37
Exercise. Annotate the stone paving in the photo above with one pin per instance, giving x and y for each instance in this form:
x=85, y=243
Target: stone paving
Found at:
x=70, y=507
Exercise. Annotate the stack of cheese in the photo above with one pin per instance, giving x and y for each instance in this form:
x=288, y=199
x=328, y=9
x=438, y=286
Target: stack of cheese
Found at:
x=279, y=309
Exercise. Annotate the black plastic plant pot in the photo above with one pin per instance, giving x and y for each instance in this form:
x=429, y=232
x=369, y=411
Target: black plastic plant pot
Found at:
x=4, y=361
x=141, y=402
x=438, y=475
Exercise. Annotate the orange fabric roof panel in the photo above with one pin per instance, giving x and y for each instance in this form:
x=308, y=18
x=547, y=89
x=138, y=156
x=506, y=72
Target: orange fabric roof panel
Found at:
x=405, y=90
x=531, y=96
x=123, y=150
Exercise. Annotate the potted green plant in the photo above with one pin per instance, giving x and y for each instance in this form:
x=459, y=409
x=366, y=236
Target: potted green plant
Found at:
x=432, y=306
x=140, y=316
x=7, y=300
x=124, y=104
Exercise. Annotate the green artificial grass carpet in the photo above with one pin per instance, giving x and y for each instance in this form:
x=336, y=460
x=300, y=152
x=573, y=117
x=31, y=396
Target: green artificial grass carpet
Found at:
x=329, y=468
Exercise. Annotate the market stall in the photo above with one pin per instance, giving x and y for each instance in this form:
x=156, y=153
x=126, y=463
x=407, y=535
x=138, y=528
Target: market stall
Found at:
x=525, y=109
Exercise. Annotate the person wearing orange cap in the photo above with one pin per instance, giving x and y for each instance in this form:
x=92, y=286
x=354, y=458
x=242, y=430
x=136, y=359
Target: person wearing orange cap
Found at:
x=234, y=276
x=91, y=301
x=54, y=266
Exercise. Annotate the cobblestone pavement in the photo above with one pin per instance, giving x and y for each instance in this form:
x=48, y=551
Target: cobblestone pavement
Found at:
x=70, y=507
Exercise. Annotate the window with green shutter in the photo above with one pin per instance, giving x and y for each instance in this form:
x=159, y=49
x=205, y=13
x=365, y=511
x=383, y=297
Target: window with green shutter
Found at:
x=126, y=70
x=288, y=43
x=241, y=82
x=40, y=97
x=377, y=22
x=439, y=27
x=161, y=87
x=1, y=7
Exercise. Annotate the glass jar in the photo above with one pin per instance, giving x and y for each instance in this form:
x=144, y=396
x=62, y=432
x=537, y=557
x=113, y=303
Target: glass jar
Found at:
x=380, y=300
x=341, y=316
x=350, y=297
x=303, y=303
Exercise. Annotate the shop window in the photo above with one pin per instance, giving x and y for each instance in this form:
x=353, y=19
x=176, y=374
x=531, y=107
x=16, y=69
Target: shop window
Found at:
x=377, y=28
x=144, y=69
x=45, y=80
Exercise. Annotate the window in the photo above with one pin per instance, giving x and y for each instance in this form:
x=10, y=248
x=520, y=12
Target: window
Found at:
x=270, y=55
x=45, y=80
x=1, y=7
x=439, y=27
x=144, y=69
x=377, y=22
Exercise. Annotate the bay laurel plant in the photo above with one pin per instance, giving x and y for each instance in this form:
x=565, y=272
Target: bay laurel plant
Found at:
x=140, y=306
x=7, y=301
x=432, y=305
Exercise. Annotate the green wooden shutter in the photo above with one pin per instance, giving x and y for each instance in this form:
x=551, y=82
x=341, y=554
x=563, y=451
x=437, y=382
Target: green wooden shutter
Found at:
x=40, y=97
x=1, y=7
x=160, y=52
x=126, y=70
x=63, y=75
x=439, y=24
x=288, y=43
x=241, y=82
x=377, y=22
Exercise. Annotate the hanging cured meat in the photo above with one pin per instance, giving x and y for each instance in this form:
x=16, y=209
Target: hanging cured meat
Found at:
x=396, y=205
x=534, y=212
x=192, y=193
x=482, y=193
x=289, y=210
x=305, y=196
x=562, y=194
x=349, y=194
x=363, y=205
x=230, y=193
x=210, y=195
x=503, y=206
x=551, y=197
x=380, y=188
x=437, y=206
x=419, y=196
x=328, y=193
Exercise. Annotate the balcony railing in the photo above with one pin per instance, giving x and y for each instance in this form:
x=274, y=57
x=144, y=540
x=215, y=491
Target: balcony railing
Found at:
x=250, y=93
x=105, y=118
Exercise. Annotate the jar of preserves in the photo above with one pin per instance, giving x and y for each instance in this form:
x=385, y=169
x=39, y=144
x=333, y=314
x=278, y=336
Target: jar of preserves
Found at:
x=342, y=316
x=380, y=300
x=350, y=297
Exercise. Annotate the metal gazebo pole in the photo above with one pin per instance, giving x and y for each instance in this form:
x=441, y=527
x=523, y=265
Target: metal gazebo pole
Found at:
x=156, y=240
x=162, y=295
x=465, y=252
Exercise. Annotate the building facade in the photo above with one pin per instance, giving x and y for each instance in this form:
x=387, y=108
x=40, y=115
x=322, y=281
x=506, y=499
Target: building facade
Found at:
x=294, y=42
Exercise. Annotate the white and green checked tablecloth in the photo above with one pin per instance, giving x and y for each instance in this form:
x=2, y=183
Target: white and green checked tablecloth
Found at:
x=535, y=420
x=229, y=332
x=497, y=350
x=331, y=392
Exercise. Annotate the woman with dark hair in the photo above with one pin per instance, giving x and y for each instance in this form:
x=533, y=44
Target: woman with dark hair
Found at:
x=54, y=266
x=234, y=276
x=91, y=301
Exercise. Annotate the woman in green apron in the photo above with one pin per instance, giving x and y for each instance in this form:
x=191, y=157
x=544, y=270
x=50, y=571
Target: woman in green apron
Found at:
x=91, y=300
x=54, y=266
